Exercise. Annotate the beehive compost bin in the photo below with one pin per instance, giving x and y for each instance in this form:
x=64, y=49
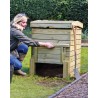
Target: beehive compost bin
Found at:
x=61, y=34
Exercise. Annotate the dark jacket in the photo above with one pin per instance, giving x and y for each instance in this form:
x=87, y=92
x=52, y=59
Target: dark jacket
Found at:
x=16, y=36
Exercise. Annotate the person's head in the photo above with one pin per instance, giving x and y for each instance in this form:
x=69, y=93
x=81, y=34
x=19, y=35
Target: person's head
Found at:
x=20, y=21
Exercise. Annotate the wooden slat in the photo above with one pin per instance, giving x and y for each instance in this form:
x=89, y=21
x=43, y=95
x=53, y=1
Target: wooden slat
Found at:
x=71, y=42
x=71, y=49
x=61, y=45
x=71, y=53
x=55, y=31
x=78, y=42
x=51, y=31
x=55, y=24
x=51, y=61
x=77, y=47
x=55, y=37
x=78, y=31
x=51, y=25
x=57, y=51
x=67, y=57
x=53, y=51
x=73, y=62
x=48, y=56
x=55, y=41
x=42, y=50
x=73, y=66
x=72, y=58
x=67, y=49
x=78, y=37
x=47, y=40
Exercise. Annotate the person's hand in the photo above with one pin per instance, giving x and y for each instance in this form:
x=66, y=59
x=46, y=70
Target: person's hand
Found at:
x=46, y=44
x=49, y=45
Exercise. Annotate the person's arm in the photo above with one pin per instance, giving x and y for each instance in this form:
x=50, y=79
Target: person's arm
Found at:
x=30, y=42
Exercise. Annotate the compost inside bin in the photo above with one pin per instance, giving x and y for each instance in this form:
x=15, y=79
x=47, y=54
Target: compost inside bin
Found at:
x=50, y=70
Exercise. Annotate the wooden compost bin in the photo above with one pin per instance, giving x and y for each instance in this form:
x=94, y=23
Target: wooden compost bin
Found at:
x=61, y=34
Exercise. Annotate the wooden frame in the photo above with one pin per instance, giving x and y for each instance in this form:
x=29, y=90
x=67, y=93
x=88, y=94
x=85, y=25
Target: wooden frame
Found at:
x=61, y=34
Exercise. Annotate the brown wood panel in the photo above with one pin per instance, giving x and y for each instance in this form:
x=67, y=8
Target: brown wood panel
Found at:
x=78, y=37
x=51, y=61
x=42, y=50
x=50, y=37
x=72, y=58
x=55, y=24
x=77, y=62
x=51, y=31
x=49, y=56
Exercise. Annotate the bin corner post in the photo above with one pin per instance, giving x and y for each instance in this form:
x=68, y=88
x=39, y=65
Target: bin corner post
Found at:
x=65, y=61
x=65, y=69
x=32, y=63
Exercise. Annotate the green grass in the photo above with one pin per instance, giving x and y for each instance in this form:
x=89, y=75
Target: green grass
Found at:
x=41, y=87
x=29, y=88
x=84, y=60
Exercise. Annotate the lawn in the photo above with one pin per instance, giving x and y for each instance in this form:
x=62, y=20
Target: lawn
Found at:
x=84, y=60
x=41, y=87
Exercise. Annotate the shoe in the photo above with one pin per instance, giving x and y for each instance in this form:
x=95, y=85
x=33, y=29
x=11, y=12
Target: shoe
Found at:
x=20, y=72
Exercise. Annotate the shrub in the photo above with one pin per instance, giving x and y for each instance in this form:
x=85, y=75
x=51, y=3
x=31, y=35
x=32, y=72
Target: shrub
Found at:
x=52, y=10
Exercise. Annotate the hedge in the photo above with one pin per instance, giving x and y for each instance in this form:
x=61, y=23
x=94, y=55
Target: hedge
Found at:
x=51, y=9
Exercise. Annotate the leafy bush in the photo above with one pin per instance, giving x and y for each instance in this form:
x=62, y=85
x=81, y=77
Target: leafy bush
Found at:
x=78, y=10
x=84, y=36
x=35, y=9
x=52, y=9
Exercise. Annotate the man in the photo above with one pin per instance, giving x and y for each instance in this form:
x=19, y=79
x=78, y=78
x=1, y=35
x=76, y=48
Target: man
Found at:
x=19, y=42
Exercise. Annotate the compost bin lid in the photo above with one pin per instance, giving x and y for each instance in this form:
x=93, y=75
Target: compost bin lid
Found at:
x=55, y=24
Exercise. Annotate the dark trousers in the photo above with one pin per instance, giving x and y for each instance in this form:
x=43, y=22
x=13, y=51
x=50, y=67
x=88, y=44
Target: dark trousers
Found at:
x=22, y=48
